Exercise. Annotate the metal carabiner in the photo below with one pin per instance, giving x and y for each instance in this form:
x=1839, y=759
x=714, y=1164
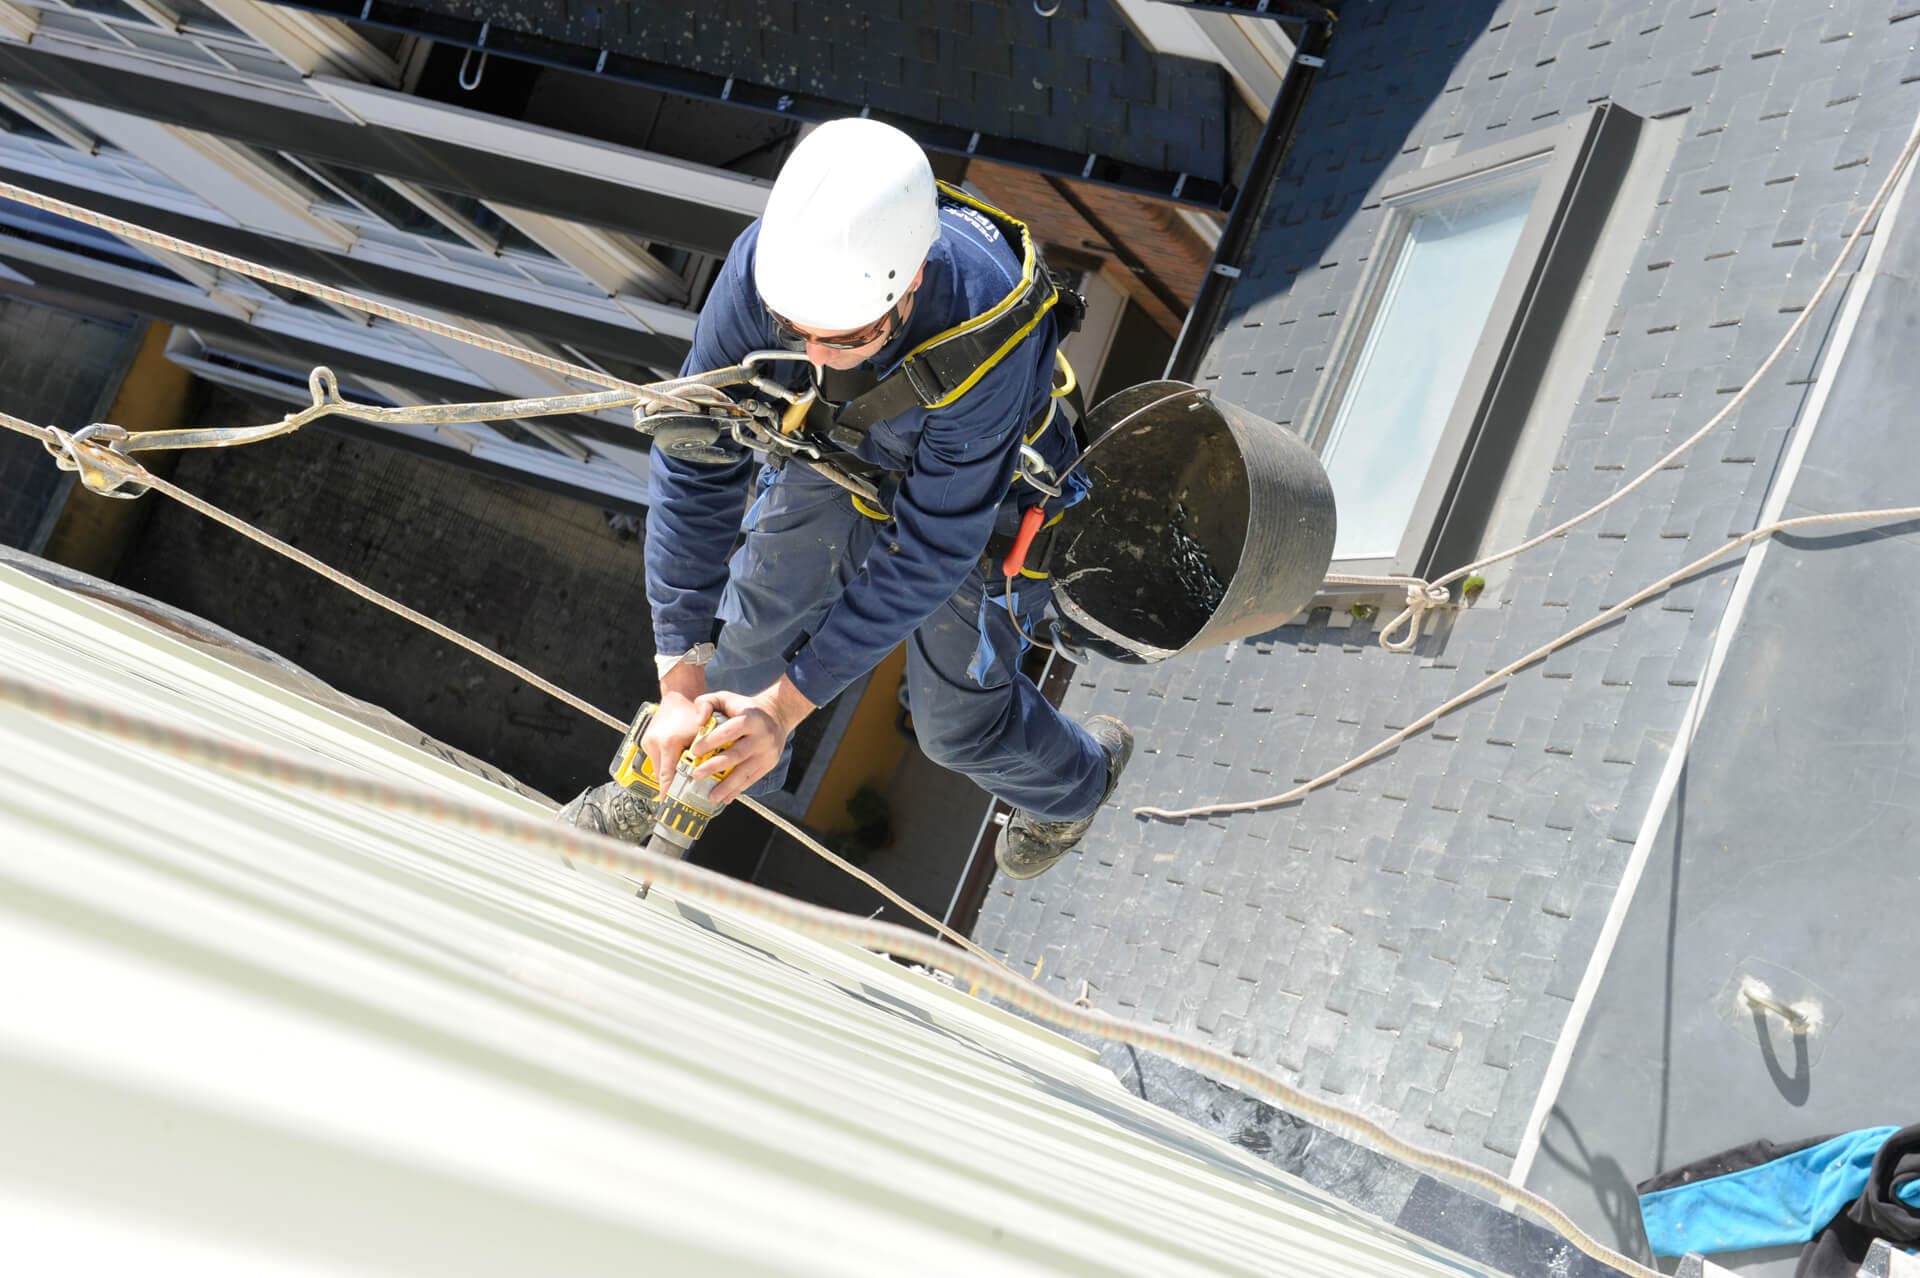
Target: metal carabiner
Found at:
x=1034, y=470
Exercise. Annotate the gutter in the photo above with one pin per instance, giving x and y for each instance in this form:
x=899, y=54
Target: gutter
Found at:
x=1276, y=140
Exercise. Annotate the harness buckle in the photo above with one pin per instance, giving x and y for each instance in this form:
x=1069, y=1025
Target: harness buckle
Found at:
x=925, y=381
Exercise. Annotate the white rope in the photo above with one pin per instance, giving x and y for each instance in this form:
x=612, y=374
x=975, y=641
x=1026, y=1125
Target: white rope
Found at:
x=1888, y=515
x=1403, y=632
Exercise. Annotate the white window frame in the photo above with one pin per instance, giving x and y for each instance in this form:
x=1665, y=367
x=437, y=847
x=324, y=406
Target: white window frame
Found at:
x=311, y=43
x=1580, y=165
x=244, y=191
x=102, y=50
x=108, y=35
x=18, y=22
x=619, y=264
x=1086, y=350
x=627, y=312
x=100, y=171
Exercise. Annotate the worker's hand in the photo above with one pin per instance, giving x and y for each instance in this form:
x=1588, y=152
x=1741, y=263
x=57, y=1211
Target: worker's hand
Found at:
x=753, y=736
x=676, y=721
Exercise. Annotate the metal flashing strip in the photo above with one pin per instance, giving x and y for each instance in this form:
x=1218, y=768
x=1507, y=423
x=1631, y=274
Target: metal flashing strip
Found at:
x=1658, y=806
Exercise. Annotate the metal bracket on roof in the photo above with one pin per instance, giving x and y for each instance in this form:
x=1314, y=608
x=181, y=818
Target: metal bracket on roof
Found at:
x=1231, y=272
x=1309, y=60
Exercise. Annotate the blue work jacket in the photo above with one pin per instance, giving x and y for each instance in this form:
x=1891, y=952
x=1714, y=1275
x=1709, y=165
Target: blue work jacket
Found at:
x=956, y=465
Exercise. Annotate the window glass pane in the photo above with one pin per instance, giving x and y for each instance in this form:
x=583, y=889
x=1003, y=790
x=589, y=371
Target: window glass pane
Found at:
x=316, y=191
x=1413, y=360
x=674, y=259
x=509, y=235
x=381, y=200
x=171, y=47
x=24, y=222
x=110, y=9
x=199, y=17
x=20, y=126
x=489, y=223
x=259, y=64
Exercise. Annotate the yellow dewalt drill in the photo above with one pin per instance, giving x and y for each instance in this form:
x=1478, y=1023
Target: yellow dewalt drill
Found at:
x=681, y=808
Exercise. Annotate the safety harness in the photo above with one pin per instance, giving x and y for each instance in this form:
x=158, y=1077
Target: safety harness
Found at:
x=946, y=366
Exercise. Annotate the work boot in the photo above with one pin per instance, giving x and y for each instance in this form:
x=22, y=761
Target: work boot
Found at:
x=1031, y=846
x=614, y=810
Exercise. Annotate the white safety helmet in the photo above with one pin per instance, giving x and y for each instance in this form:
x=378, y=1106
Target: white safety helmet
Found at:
x=849, y=222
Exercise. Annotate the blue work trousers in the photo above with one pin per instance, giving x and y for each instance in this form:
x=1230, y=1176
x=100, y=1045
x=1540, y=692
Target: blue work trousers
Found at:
x=973, y=710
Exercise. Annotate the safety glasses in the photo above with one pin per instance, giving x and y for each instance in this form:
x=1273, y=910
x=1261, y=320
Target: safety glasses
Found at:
x=881, y=330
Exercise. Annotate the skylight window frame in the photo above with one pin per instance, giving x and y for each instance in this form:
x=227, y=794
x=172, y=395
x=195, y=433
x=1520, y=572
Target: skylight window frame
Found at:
x=1580, y=165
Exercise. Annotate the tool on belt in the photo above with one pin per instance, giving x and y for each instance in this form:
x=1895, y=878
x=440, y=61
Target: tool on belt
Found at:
x=684, y=806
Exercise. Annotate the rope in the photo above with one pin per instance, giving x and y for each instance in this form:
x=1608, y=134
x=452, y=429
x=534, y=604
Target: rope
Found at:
x=1888, y=515
x=125, y=470
x=1423, y=596
x=312, y=288
x=1403, y=632
x=741, y=898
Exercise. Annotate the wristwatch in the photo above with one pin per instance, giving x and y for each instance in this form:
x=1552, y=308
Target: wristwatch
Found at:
x=698, y=655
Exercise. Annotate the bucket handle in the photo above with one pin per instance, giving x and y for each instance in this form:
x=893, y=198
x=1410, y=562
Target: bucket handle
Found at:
x=1114, y=429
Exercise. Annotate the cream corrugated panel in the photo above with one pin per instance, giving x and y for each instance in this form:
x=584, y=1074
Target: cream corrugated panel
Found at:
x=243, y=1030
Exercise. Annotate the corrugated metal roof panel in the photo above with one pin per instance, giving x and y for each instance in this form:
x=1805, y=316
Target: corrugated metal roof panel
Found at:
x=249, y=1028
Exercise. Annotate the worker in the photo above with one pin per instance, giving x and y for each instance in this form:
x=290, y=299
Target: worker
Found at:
x=859, y=260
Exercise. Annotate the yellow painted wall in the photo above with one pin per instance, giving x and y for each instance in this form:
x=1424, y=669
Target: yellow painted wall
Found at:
x=93, y=532
x=870, y=750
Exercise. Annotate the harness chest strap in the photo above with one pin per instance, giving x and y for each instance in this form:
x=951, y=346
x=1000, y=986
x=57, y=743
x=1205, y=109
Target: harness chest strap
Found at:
x=948, y=365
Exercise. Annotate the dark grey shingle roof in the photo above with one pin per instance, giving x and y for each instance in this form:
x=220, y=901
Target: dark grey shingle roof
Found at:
x=1409, y=941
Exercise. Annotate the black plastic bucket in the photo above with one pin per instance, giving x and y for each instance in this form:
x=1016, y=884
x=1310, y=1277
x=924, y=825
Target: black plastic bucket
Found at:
x=1205, y=524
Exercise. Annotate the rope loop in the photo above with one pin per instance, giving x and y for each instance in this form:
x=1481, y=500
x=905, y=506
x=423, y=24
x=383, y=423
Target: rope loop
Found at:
x=324, y=387
x=685, y=398
x=1421, y=598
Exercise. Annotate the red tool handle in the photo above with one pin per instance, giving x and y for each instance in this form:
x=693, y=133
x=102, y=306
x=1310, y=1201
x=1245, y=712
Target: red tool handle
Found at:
x=1029, y=526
